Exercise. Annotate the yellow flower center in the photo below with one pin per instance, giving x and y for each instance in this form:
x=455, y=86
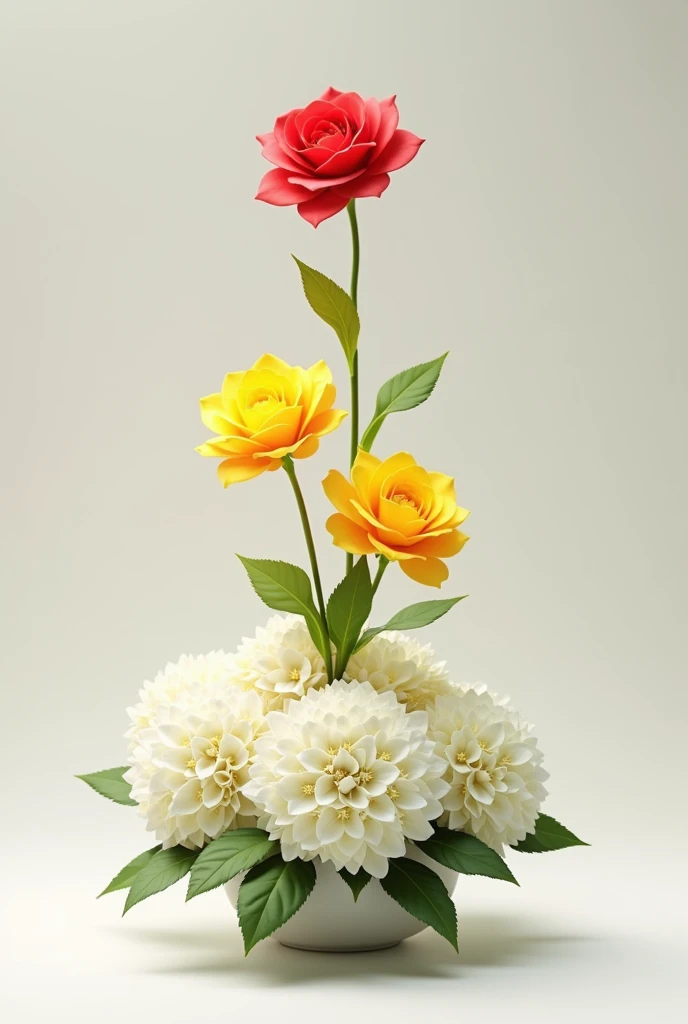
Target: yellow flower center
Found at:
x=308, y=789
x=263, y=399
x=404, y=501
x=294, y=675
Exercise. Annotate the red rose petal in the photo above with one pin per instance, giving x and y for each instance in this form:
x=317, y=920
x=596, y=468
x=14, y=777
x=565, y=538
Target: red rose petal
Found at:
x=322, y=207
x=389, y=119
x=276, y=189
x=372, y=121
x=364, y=186
x=399, y=151
x=330, y=93
x=353, y=106
x=286, y=132
x=355, y=158
x=273, y=152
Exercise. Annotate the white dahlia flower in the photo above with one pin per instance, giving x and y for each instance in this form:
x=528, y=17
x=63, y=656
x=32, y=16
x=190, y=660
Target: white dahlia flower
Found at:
x=347, y=774
x=281, y=662
x=392, y=661
x=493, y=766
x=191, y=759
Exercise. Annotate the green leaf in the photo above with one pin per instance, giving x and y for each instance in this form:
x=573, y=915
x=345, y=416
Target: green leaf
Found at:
x=413, y=617
x=129, y=872
x=347, y=610
x=422, y=893
x=286, y=588
x=164, y=869
x=226, y=856
x=110, y=784
x=357, y=882
x=464, y=853
x=404, y=391
x=270, y=894
x=334, y=306
x=549, y=835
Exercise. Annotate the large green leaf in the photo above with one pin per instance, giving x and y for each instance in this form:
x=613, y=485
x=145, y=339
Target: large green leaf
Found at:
x=404, y=391
x=129, y=872
x=413, y=617
x=270, y=894
x=464, y=853
x=357, y=882
x=164, y=869
x=334, y=306
x=226, y=856
x=422, y=893
x=110, y=784
x=286, y=588
x=549, y=835
x=347, y=610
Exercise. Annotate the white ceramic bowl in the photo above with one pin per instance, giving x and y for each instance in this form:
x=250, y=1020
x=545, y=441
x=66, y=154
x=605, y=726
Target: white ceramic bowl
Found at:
x=330, y=920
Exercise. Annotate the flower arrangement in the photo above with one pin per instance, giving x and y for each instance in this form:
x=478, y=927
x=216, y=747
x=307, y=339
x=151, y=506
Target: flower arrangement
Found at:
x=321, y=739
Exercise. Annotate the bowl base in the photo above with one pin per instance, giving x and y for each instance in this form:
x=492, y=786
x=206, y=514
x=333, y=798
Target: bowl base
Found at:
x=338, y=949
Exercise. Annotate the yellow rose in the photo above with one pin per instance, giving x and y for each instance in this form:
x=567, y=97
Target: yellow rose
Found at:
x=267, y=412
x=397, y=509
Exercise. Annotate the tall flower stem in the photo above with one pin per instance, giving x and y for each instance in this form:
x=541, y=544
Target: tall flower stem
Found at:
x=382, y=565
x=288, y=464
x=355, y=261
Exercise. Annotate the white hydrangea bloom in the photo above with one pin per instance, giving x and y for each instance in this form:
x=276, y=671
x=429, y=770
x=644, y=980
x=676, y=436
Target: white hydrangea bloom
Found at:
x=281, y=662
x=494, y=766
x=393, y=661
x=347, y=774
x=191, y=759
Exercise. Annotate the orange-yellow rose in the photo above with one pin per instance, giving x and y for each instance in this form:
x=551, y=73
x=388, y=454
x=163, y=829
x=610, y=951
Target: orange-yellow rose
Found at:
x=397, y=509
x=267, y=412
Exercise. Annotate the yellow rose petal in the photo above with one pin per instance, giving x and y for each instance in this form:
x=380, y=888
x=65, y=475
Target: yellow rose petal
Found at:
x=348, y=535
x=235, y=471
x=432, y=572
x=342, y=495
x=444, y=546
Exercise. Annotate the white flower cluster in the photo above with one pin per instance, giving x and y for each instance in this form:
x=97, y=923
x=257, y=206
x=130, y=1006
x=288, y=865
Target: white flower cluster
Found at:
x=392, y=661
x=494, y=766
x=281, y=662
x=190, y=750
x=206, y=668
x=347, y=774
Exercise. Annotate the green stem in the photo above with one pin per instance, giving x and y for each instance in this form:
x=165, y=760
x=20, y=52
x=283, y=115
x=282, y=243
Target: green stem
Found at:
x=355, y=262
x=288, y=464
x=384, y=562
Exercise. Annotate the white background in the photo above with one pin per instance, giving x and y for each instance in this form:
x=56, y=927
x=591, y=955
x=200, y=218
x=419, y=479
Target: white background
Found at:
x=541, y=235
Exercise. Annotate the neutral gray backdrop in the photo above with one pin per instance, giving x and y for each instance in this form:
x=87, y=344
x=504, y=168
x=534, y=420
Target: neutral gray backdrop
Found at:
x=541, y=235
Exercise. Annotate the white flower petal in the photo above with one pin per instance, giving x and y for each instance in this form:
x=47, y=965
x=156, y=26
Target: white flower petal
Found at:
x=330, y=826
x=188, y=799
x=326, y=791
x=314, y=759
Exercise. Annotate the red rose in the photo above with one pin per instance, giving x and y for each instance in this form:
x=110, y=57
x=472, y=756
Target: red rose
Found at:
x=338, y=148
